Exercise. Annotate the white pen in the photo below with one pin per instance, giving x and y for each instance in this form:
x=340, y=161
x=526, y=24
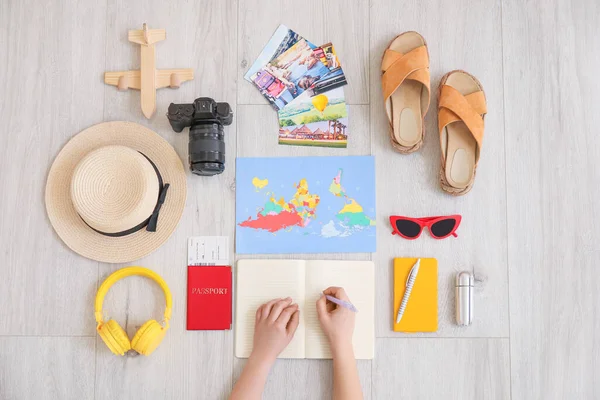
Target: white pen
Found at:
x=409, y=285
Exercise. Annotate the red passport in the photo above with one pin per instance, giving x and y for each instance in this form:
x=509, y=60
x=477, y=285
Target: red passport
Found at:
x=209, y=298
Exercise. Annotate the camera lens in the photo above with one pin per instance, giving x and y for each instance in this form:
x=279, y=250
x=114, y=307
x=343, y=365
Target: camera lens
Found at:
x=207, y=149
x=207, y=169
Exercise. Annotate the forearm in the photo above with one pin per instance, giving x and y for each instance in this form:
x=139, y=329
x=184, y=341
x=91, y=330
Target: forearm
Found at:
x=252, y=382
x=346, y=384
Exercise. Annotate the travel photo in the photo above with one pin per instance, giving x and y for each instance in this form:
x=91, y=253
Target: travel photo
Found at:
x=291, y=74
x=321, y=120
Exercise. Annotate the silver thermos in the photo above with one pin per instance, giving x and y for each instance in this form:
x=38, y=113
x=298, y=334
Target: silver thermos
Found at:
x=464, y=298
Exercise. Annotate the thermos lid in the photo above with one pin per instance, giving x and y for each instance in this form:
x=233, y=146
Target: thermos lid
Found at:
x=464, y=279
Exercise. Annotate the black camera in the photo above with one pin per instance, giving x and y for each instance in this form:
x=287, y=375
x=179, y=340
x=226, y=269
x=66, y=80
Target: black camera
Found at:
x=206, y=118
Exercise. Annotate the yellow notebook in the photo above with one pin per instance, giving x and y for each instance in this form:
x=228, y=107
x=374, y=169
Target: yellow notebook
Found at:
x=420, y=314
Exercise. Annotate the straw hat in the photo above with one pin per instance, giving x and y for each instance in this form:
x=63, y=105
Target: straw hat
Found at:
x=116, y=192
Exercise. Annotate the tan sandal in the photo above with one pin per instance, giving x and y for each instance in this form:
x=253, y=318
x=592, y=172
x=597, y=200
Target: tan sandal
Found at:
x=405, y=82
x=461, y=110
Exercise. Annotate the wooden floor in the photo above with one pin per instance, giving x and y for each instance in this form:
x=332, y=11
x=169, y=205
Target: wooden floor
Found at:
x=530, y=225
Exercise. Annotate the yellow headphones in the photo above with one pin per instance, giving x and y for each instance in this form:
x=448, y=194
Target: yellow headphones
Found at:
x=150, y=334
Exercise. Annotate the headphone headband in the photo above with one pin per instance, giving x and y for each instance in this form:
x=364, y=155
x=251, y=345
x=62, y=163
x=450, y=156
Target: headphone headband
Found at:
x=124, y=273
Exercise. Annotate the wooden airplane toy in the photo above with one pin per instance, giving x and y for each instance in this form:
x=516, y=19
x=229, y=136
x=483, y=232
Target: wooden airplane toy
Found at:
x=147, y=79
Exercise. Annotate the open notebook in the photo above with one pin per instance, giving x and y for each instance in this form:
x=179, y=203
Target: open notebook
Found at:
x=259, y=281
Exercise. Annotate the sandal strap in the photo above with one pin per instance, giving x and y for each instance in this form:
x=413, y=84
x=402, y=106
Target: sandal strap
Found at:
x=397, y=67
x=453, y=106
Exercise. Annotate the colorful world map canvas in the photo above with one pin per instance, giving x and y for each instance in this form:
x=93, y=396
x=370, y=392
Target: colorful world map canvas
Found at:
x=305, y=205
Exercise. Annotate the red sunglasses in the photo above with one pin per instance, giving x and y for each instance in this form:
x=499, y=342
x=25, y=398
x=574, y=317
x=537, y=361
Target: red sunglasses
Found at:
x=439, y=227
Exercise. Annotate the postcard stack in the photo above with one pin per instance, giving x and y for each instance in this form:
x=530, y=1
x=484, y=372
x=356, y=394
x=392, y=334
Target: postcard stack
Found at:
x=304, y=83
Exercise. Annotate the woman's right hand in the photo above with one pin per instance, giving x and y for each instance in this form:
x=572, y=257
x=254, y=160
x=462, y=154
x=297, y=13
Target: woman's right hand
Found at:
x=337, y=322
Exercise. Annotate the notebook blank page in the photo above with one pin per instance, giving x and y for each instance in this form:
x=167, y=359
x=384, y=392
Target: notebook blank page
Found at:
x=259, y=281
x=357, y=278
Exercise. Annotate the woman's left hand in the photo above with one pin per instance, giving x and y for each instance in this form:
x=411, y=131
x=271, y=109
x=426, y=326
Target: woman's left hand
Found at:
x=276, y=323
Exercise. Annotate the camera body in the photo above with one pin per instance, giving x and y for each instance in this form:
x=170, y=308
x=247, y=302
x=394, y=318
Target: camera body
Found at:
x=205, y=118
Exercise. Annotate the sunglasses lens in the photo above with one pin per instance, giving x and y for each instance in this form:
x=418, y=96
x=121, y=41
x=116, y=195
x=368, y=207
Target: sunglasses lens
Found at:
x=443, y=228
x=408, y=228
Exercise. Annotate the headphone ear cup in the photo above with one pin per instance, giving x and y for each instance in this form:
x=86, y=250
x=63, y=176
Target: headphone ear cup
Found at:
x=148, y=337
x=114, y=337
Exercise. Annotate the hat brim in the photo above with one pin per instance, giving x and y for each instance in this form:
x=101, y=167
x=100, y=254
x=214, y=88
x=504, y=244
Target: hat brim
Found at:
x=68, y=224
